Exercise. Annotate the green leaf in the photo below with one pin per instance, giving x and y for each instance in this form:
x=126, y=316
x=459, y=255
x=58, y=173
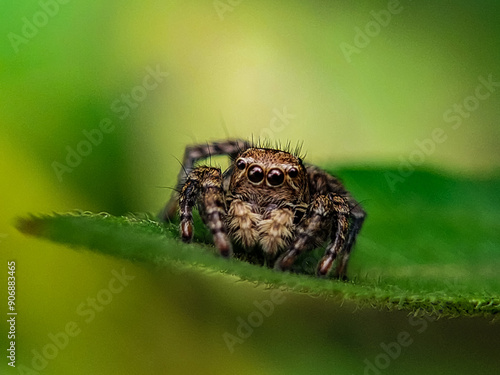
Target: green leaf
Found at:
x=430, y=244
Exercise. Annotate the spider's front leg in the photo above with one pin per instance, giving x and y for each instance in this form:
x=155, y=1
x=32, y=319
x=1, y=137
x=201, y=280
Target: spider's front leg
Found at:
x=348, y=220
x=192, y=154
x=328, y=215
x=340, y=230
x=324, y=213
x=203, y=188
x=357, y=216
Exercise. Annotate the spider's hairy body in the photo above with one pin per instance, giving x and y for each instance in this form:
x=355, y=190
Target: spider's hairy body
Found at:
x=267, y=201
x=262, y=214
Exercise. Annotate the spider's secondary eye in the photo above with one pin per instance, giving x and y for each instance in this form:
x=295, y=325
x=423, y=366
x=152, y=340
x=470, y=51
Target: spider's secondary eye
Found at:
x=240, y=164
x=255, y=174
x=275, y=177
x=293, y=172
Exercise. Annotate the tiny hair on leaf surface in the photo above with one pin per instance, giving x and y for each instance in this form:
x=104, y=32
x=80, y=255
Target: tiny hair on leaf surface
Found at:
x=419, y=250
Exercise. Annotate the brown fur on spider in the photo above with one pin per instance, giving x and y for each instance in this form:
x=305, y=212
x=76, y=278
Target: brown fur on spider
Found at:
x=269, y=201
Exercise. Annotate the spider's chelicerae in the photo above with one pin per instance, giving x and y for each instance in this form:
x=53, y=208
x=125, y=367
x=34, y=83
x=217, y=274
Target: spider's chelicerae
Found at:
x=267, y=201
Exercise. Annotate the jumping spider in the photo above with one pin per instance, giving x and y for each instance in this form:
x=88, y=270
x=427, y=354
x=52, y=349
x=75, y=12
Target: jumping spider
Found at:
x=268, y=201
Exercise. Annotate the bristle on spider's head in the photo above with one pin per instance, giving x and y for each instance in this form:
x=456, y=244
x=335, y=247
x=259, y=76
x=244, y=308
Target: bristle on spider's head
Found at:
x=295, y=150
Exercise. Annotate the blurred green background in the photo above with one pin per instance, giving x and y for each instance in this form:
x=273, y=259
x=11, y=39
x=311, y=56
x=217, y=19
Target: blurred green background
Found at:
x=162, y=74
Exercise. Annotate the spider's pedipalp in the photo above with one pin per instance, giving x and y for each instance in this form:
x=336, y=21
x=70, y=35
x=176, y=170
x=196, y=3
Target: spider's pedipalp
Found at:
x=276, y=230
x=243, y=222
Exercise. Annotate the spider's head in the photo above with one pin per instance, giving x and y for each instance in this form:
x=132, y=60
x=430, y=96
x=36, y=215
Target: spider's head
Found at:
x=269, y=175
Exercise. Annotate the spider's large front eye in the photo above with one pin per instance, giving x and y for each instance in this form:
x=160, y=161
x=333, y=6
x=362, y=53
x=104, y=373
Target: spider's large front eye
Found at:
x=275, y=177
x=241, y=164
x=255, y=174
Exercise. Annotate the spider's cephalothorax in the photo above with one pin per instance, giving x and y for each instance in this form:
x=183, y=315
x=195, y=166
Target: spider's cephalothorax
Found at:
x=267, y=201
